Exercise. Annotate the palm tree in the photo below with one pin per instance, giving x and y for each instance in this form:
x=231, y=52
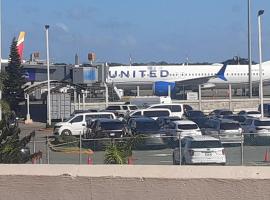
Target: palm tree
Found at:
x=119, y=152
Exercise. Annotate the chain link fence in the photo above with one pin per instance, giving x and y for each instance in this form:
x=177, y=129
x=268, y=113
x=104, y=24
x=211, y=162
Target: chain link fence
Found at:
x=243, y=149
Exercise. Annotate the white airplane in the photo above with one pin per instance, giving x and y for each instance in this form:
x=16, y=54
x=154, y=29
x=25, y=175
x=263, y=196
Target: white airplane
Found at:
x=178, y=76
x=20, y=47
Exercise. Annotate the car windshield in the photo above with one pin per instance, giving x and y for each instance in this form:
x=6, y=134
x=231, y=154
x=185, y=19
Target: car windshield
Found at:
x=227, y=112
x=113, y=108
x=112, y=125
x=98, y=116
x=195, y=114
x=156, y=113
x=176, y=108
x=187, y=126
x=205, y=144
x=261, y=123
x=147, y=126
x=133, y=107
x=238, y=118
x=253, y=112
x=229, y=126
x=70, y=117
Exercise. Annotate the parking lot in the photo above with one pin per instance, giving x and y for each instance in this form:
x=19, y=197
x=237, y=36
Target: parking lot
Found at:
x=252, y=154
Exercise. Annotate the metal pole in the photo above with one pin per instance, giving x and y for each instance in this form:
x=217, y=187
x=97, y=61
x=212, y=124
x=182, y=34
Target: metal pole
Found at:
x=80, y=154
x=28, y=118
x=75, y=99
x=260, y=64
x=138, y=91
x=242, y=148
x=47, y=150
x=34, y=143
x=230, y=96
x=180, y=149
x=0, y=54
x=200, y=97
x=249, y=53
x=83, y=97
x=106, y=95
x=48, y=74
x=169, y=90
x=79, y=101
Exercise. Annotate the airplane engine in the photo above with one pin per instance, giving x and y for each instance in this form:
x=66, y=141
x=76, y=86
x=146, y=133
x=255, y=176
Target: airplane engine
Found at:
x=160, y=88
x=208, y=85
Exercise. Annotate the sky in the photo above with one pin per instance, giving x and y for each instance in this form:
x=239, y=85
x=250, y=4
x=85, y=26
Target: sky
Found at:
x=145, y=30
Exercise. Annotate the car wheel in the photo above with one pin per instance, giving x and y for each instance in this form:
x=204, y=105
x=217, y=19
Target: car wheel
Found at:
x=66, y=132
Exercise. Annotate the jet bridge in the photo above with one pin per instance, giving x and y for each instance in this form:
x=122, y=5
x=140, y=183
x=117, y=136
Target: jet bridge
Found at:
x=93, y=77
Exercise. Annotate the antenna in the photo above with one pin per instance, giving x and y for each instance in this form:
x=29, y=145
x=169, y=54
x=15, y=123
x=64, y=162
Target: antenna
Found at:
x=130, y=59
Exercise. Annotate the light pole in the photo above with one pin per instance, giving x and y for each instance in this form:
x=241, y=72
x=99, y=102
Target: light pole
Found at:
x=260, y=13
x=48, y=75
x=0, y=54
x=249, y=53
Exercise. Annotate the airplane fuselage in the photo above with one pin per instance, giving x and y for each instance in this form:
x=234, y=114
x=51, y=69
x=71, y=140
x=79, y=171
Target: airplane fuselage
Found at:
x=141, y=75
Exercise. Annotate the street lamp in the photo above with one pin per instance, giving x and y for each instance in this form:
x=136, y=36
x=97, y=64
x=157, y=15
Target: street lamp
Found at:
x=249, y=53
x=0, y=54
x=48, y=75
x=260, y=13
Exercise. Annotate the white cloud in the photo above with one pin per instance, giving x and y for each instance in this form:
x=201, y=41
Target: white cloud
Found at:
x=62, y=26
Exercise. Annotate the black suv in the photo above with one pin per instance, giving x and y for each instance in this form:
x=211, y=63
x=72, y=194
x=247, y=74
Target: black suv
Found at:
x=106, y=128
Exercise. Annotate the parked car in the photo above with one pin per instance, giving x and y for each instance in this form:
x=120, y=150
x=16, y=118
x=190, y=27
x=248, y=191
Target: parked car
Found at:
x=255, y=114
x=76, y=124
x=164, y=122
x=196, y=116
x=260, y=127
x=153, y=113
x=187, y=108
x=121, y=110
x=182, y=129
x=239, y=118
x=228, y=131
x=219, y=113
x=191, y=114
x=106, y=128
x=149, y=129
x=201, y=150
x=176, y=109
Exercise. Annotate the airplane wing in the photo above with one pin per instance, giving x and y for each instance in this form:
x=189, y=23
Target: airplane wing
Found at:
x=202, y=80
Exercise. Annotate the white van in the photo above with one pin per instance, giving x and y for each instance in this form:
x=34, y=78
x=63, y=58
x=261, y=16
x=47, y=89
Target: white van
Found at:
x=76, y=124
x=153, y=113
x=175, y=108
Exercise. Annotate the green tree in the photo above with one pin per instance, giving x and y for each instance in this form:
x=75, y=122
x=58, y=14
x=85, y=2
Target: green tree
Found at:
x=119, y=152
x=12, y=148
x=13, y=91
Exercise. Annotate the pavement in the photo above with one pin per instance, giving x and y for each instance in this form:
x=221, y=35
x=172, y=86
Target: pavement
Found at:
x=253, y=155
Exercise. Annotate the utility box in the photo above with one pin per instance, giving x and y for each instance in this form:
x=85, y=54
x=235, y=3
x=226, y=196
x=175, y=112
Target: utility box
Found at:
x=61, y=106
x=85, y=75
x=192, y=95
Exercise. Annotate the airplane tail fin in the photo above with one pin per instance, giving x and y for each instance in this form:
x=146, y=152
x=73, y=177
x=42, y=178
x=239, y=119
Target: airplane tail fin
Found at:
x=20, y=44
x=221, y=72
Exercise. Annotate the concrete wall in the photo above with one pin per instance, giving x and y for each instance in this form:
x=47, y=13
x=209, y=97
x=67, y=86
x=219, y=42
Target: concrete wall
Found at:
x=133, y=182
